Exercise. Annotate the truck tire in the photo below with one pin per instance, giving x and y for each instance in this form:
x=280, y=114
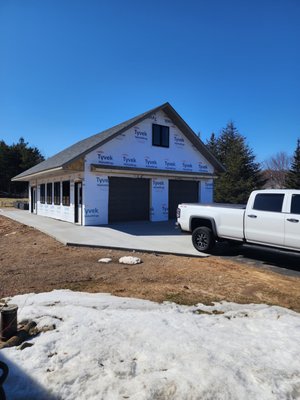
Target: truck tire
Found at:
x=203, y=239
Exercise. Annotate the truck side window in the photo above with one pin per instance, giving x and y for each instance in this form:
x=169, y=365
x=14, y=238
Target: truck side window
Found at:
x=295, y=205
x=268, y=202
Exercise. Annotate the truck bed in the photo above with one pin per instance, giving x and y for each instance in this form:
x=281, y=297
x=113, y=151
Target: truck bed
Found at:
x=228, y=218
x=225, y=205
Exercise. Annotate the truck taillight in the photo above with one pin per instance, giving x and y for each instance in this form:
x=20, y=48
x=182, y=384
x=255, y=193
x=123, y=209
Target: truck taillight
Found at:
x=178, y=213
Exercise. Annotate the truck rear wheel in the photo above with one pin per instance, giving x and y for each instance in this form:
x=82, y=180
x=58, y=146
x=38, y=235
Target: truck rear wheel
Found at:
x=203, y=239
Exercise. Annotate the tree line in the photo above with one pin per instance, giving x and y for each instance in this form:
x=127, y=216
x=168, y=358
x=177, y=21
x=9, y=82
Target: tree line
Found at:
x=15, y=159
x=243, y=174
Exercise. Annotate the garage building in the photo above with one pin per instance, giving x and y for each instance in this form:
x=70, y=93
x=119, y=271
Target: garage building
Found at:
x=140, y=169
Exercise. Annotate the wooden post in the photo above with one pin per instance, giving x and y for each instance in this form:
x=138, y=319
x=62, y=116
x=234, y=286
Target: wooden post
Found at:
x=9, y=321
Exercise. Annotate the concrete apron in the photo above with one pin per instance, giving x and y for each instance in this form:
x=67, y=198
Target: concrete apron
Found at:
x=153, y=237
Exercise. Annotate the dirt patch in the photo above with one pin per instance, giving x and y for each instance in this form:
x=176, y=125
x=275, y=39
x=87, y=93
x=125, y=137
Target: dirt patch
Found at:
x=31, y=261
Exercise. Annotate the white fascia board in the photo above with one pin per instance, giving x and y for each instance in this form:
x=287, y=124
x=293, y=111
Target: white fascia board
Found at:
x=149, y=174
x=37, y=174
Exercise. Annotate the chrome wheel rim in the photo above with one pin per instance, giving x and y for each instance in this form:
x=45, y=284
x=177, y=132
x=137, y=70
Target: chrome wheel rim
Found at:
x=201, y=241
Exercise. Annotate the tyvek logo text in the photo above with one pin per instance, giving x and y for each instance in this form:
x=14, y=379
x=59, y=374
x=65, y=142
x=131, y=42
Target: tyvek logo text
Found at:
x=179, y=141
x=91, y=212
x=202, y=167
x=129, y=161
x=187, y=166
x=170, y=164
x=158, y=184
x=150, y=163
x=141, y=136
x=105, y=158
x=102, y=181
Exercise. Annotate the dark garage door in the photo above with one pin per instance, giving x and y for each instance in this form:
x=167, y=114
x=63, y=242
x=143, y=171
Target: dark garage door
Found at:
x=128, y=199
x=181, y=192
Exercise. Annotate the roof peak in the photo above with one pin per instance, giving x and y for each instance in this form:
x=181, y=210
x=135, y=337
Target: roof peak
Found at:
x=84, y=146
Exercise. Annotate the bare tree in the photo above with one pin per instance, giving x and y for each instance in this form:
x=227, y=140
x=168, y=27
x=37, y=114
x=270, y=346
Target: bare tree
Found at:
x=276, y=169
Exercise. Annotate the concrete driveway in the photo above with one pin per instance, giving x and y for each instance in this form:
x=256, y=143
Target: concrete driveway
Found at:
x=156, y=237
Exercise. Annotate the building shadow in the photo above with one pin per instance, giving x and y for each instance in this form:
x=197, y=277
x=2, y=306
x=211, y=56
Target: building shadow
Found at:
x=282, y=262
x=20, y=386
x=147, y=228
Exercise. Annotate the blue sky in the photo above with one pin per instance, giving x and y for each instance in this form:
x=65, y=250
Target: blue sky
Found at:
x=69, y=68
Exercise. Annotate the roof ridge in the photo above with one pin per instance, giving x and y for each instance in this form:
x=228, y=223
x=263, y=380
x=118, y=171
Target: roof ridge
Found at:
x=58, y=159
x=84, y=146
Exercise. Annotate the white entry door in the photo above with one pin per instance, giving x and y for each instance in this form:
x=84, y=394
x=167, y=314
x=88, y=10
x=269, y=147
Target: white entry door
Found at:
x=78, y=203
x=33, y=199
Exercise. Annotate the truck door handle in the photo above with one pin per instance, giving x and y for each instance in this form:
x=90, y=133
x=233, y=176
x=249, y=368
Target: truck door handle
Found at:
x=293, y=220
x=252, y=216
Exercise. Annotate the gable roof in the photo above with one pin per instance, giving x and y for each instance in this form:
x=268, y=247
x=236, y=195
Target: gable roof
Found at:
x=79, y=149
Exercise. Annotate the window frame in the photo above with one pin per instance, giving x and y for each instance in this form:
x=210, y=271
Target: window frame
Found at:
x=66, y=197
x=57, y=197
x=161, y=141
x=49, y=196
x=42, y=193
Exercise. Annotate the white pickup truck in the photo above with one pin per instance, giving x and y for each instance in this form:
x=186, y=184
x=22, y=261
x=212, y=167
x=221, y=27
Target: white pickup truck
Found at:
x=270, y=218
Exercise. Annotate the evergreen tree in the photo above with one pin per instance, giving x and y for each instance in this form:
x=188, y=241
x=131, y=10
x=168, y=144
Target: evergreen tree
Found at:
x=4, y=155
x=15, y=159
x=242, y=173
x=212, y=144
x=293, y=176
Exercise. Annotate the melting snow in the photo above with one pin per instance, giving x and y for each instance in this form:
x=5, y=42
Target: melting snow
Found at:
x=106, y=347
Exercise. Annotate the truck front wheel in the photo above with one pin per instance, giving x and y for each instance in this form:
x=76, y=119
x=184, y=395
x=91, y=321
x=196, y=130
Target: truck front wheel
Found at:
x=203, y=239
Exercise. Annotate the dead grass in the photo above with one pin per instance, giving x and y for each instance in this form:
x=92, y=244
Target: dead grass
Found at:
x=33, y=262
x=9, y=202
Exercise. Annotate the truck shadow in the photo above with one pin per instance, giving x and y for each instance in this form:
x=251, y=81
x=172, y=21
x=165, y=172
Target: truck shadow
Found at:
x=282, y=262
x=20, y=386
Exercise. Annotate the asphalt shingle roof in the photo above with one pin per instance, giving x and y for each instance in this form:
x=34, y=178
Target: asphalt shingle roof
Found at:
x=84, y=146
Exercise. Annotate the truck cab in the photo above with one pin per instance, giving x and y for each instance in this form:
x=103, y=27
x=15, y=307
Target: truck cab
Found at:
x=270, y=218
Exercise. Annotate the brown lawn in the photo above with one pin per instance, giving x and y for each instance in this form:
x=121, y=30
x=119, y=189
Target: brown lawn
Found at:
x=30, y=261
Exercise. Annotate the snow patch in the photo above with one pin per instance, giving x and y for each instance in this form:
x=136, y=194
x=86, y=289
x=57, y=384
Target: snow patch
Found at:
x=130, y=260
x=106, y=347
x=105, y=260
